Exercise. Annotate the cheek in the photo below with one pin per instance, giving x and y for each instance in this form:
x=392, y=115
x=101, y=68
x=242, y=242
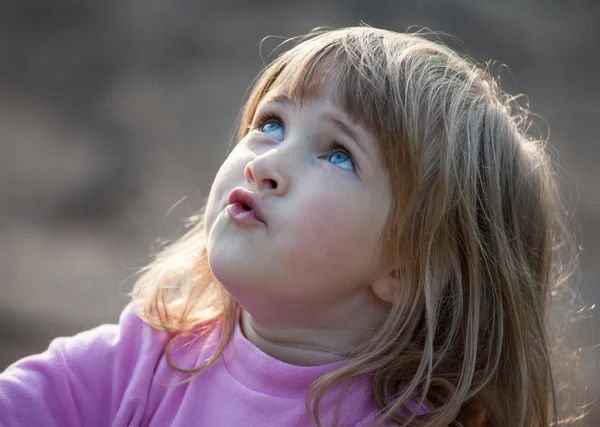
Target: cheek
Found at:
x=331, y=236
x=229, y=175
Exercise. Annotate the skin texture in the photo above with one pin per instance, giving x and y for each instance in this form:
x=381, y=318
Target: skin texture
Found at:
x=311, y=280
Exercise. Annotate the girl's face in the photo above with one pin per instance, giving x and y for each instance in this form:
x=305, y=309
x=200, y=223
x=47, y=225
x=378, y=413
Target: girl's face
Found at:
x=324, y=200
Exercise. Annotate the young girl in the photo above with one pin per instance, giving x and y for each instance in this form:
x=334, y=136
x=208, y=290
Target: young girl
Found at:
x=377, y=249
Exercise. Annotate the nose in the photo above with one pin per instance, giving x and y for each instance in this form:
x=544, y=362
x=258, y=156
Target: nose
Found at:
x=266, y=173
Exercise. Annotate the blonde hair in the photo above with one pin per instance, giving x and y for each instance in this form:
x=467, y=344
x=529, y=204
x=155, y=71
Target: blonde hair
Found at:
x=475, y=231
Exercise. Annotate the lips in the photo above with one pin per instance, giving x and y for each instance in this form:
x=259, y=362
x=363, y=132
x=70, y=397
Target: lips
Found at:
x=248, y=200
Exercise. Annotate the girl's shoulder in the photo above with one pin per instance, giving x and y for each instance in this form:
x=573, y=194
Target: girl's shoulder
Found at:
x=83, y=378
x=127, y=344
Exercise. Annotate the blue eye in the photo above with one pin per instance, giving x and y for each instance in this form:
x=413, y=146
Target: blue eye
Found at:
x=274, y=128
x=341, y=159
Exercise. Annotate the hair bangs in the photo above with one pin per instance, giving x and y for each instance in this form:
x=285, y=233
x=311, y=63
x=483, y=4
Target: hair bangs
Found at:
x=334, y=67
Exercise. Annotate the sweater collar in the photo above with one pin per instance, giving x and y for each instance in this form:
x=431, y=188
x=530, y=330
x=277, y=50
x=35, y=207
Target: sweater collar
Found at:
x=263, y=373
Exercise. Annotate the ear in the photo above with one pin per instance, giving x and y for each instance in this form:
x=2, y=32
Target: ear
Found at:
x=386, y=288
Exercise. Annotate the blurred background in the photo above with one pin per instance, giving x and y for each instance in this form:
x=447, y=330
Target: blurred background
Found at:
x=115, y=115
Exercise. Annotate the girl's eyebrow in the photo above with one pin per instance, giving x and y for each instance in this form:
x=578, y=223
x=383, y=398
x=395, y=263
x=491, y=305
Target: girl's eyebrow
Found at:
x=279, y=98
x=346, y=129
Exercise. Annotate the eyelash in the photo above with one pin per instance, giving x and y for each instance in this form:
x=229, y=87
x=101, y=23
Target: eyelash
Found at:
x=264, y=116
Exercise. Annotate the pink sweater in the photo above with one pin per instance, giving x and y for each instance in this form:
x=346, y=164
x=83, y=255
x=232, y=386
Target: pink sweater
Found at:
x=117, y=375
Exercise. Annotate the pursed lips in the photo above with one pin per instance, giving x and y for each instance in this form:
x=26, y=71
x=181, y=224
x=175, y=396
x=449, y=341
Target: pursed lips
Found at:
x=249, y=199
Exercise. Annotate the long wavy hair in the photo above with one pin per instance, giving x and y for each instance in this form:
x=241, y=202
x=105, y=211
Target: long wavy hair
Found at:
x=477, y=230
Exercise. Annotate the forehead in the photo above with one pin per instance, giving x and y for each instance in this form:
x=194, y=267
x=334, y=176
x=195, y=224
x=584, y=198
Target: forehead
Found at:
x=297, y=93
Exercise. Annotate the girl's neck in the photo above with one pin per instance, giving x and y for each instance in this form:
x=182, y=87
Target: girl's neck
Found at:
x=304, y=346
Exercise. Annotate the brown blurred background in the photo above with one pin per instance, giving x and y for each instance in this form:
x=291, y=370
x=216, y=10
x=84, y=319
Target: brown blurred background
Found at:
x=113, y=112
